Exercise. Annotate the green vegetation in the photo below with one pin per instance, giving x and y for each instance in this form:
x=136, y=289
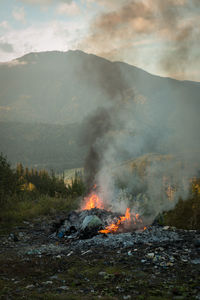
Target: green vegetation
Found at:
x=29, y=193
x=9, y=181
x=186, y=214
x=26, y=208
x=26, y=194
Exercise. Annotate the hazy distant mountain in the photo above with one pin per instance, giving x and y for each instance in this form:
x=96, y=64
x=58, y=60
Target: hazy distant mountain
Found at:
x=46, y=146
x=63, y=87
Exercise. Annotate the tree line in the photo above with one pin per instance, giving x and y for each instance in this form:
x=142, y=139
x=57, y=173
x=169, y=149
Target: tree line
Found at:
x=22, y=180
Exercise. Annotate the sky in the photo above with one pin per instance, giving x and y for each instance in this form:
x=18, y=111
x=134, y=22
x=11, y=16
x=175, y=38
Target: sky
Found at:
x=159, y=36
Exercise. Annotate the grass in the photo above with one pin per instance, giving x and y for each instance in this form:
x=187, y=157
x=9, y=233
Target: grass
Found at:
x=26, y=208
x=81, y=276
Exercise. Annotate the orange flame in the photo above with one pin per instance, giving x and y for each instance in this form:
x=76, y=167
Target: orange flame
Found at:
x=114, y=227
x=93, y=201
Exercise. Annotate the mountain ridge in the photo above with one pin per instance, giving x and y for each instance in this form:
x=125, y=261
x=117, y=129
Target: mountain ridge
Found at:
x=71, y=82
x=45, y=98
x=27, y=55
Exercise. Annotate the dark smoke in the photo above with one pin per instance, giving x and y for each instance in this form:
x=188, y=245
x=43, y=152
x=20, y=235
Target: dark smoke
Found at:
x=96, y=128
x=94, y=131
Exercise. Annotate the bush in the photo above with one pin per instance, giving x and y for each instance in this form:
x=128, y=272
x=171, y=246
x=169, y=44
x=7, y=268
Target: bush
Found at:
x=186, y=214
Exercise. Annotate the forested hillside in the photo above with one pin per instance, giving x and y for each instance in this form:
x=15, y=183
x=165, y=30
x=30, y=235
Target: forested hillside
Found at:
x=42, y=145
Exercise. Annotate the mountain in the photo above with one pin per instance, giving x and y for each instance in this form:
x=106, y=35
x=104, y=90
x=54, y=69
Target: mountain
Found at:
x=63, y=87
x=47, y=146
x=45, y=98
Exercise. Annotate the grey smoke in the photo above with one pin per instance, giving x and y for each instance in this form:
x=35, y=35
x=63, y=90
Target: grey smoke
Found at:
x=97, y=127
x=162, y=137
x=166, y=133
x=175, y=22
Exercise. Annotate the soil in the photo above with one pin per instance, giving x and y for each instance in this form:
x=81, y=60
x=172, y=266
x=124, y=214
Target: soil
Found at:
x=36, y=266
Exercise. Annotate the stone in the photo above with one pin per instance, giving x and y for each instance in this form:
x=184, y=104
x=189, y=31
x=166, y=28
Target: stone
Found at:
x=195, y=261
x=54, y=277
x=166, y=228
x=30, y=286
x=150, y=255
x=48, y=282
x=64, y=288
x=102, y=273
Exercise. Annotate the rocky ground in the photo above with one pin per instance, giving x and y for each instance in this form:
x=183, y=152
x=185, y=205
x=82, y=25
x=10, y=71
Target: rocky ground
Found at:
x=159, y=263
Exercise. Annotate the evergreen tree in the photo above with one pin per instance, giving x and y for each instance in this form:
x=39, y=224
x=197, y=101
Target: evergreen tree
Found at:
x=9, y=183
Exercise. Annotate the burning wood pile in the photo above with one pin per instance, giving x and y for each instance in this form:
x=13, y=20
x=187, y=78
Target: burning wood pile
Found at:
x=93, y=219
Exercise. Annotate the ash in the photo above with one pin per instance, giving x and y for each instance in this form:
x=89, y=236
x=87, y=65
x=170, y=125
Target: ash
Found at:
x=153, y=234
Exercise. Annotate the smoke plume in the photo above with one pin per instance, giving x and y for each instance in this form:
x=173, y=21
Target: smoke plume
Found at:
x=114, y=32
x=96, y=129
x=161, y=136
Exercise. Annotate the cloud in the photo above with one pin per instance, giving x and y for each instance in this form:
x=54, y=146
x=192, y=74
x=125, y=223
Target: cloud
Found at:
x=44, y=2
x=122, y=22
x=6, y=47
x=56, y=35
x=40, y=2
x=19, y=14
x=68, y=9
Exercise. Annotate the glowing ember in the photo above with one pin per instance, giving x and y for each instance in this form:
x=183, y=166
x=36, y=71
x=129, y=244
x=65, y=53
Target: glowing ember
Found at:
x=93, y=201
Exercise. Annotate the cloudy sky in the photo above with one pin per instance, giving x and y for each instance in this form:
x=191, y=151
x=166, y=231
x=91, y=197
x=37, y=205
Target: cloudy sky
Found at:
x=160, y=36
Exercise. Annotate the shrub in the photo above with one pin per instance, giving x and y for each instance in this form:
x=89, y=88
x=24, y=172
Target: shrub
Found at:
x=25, y=208
x=186, y=214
